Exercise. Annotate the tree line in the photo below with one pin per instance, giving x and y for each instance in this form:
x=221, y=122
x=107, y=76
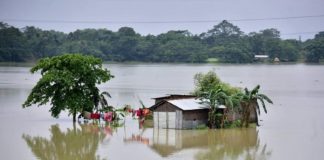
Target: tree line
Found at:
x=225, y=42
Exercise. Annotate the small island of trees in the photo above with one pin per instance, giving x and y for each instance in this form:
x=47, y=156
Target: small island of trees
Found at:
x=213, y=92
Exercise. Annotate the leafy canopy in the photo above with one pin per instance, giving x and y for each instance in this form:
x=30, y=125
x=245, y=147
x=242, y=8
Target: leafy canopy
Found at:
x=205, y=82
x=213, y=92
x=224, y=41
x=68, y=82
x=315, y=48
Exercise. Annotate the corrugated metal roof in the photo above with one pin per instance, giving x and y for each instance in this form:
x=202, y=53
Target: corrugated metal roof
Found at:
x=222, y=106
x=188, y=104
x=175, y=95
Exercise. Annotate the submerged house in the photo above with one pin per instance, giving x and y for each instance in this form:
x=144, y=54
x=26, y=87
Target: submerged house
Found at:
x=186, y=112
x=179, y=112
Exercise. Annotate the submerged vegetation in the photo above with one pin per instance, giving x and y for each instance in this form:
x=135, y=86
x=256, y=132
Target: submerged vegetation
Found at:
x=68, y=82
x=224, y=42
x=249, y=103
x=239, y=104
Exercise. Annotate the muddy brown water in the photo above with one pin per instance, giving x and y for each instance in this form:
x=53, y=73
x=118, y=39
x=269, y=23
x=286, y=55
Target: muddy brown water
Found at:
x=292, y=129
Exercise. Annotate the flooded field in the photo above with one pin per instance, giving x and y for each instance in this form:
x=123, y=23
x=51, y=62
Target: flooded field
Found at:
x=292, y=129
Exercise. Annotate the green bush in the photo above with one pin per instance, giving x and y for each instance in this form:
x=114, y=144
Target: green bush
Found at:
x=201, y=127
x=234, y=124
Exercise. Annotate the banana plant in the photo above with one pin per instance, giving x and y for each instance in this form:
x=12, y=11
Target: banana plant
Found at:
x=250, y=103
x=214, y=98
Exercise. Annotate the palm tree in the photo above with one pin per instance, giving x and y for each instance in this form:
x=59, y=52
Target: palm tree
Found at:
x=250, y=103
x=100, y=100
x=214, y=98
x=105, y=107
x=103, y=101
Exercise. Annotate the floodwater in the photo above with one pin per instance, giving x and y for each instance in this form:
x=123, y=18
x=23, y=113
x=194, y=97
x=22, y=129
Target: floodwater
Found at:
x=292, y=129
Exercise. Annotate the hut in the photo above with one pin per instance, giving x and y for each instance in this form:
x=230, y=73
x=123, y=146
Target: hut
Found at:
x=186, y=112
x=260, y=58
x=276, y=60
x=179, y=112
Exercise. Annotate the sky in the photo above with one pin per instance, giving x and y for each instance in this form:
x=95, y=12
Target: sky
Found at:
x=293, y=18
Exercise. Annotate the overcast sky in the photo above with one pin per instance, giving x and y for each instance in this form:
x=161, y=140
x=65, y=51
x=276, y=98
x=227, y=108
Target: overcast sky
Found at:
x=158, y=16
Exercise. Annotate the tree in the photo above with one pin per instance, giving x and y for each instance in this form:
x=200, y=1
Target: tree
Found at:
x=13, y=45
x=224, y=33
x=207, y=81
x=268, y=42
x=315, y=48
x=231, y=54
x=125, y=45
x=319, y=35
x=68, y=82
x=249, y=103
x=213, y=92
x=257, y=43
x=214, y=98
x=224, y=29
x=225, y=41
x=271, y=33
x=289, y=51
x=44, y=43
x=102, y=99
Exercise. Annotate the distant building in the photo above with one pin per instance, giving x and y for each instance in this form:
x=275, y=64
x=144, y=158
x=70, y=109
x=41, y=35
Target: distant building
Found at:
x=276, y=60
x=261, y=58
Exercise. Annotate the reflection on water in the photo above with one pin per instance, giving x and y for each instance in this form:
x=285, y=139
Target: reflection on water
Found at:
x=75, y=143
x=137, y=138
x=214, y=144
x=235, y=144
x=86, y=141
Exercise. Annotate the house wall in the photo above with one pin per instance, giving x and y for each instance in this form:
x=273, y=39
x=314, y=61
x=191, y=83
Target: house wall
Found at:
x=166, y=107
x=193, y=118
x=195, y=114
x=169, y=116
